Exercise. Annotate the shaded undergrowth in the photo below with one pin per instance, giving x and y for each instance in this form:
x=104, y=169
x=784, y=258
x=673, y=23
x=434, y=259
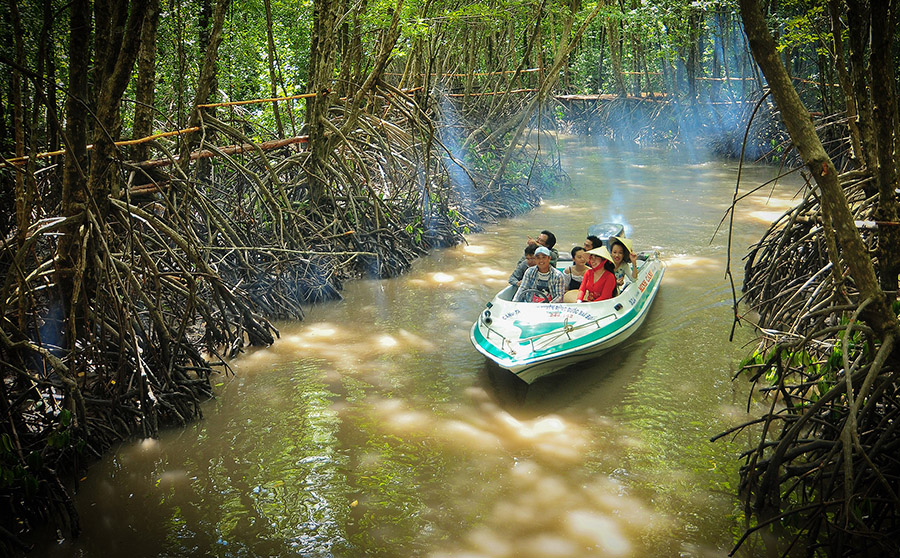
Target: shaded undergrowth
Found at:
x=821, y=474
x=190, y=262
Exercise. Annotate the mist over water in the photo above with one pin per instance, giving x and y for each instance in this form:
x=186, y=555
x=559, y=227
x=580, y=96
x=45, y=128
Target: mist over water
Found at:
x=373, y=428
x=452, y=138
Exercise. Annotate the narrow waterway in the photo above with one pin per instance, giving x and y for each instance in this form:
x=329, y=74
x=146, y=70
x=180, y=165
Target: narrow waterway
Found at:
x=373, y=428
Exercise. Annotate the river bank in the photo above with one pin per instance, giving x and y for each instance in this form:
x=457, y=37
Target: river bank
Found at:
x=374, y=428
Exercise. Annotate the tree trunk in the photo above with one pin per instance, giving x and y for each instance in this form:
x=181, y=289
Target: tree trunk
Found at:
x=669, y=77
x=858, y=26
x=615, y=51
x=146, y=82
x=356, y=58
x=878, y=315
x=321, y=66
x=109, y=22
x=716, y=74
x=23, y=203
x=209, y=21
x=76, y=250
x=6, y=136
x=695, y=56
x=637, y=54
x=273, y=75
x=45, y=99
x=834, y=8
x=472, y=37
x=884, y=102
x=724, y=20
x=207, y=82
x=121, y=53
x=74, y=188
x=75, y=165
x=528, y=47
x=647, y=80
x=180, y=112
x=204, y=19
x=386, y=45
x=342, y=87
x=566, y=45
x=822, y=67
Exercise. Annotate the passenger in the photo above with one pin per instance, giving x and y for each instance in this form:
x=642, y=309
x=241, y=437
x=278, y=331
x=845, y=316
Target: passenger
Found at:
x=543, y=282
x=620, y=250
x=527, y=261
x=592, y=242
x=548, y=240
x=599, y=282
x=575, y=272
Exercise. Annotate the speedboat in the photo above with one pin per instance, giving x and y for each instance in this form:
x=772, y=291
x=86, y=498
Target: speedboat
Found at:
x=532, y=340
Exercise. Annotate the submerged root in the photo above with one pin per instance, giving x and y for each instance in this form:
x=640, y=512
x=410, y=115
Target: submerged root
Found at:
x=119, y=335
x=823, y=472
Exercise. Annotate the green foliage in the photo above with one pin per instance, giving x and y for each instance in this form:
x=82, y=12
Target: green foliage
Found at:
x=774, y=362
x=14, y=472
x=24, y=473
x=806, y=29
x=753, y=359
x=820, y=371
x=415, y=229
x=802, y=359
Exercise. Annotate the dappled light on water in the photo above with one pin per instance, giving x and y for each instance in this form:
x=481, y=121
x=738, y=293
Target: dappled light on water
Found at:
x=550, y=439
x=539, y=508
x=491, y=273
x=767, y=207
x=341, y=345
x=680, y=266
x=373, y=428
x=556, y=207
x=441, y=277
x=766, y=217
x=549, y=516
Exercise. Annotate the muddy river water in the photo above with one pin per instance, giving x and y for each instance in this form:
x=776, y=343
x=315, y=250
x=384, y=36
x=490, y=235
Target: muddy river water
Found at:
x=373, y=428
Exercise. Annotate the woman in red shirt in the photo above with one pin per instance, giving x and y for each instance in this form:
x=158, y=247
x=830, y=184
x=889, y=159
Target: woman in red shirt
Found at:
x=599, y=282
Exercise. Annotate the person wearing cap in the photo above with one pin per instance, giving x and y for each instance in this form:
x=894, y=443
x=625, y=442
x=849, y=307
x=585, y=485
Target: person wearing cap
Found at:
x=599, y=282
x=620, y=248
x=542, y=282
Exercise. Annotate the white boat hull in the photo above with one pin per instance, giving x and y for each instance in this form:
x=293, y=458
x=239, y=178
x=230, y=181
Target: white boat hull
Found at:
x=532, y=340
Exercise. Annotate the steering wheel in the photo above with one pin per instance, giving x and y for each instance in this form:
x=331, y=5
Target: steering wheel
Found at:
x=528, y=292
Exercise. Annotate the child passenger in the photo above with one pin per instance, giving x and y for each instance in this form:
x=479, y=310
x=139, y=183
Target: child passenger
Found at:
x=575, y=272
x=529, y=260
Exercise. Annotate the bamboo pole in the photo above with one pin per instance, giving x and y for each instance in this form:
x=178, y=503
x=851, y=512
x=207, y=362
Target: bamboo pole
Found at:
x=22, y=160
x=229, y=150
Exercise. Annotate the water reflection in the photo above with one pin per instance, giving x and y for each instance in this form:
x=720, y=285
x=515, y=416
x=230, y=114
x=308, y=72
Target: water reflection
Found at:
x=552, y=515
x=373, y=428
x=586, y=386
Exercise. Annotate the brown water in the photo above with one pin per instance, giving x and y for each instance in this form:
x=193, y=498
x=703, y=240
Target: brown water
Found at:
x=373, y=428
